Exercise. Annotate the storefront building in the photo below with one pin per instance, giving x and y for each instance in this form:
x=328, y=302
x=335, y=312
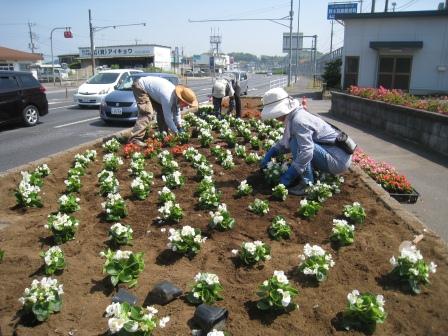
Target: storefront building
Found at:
x=128, y=56
x=16, y=60
x=396, y=50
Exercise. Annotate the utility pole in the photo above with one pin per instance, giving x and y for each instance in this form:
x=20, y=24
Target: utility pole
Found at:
x=386, y=6
x=92, y=47
x=298, y=42
x=31, y=44
x=291, y=13
x=93, y=29
x=331, y=39
x=373, y=6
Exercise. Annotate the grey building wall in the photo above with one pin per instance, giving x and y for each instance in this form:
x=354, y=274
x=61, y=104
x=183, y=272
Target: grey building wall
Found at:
x=433, y=31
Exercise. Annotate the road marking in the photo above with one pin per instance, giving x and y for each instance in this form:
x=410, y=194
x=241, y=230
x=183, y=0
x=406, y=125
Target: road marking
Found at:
x=77, y=122
x=58, y=102
x=55, y=108
x=205, y=89
x=252, y=90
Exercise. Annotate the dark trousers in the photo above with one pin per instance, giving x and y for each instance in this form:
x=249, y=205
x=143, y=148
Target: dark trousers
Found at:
x=235, y=101
x=217, y=106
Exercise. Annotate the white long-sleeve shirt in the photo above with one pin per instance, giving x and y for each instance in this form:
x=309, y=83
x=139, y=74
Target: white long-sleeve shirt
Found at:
x=162, y=91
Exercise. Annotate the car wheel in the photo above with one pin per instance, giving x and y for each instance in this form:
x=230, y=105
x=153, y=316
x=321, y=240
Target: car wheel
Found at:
x=30, y=115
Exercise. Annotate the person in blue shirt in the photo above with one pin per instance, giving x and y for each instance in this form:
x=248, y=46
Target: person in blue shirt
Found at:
x=156, y=95
x=311, y=141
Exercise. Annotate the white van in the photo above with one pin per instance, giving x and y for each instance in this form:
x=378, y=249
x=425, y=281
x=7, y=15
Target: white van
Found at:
x=92, y=92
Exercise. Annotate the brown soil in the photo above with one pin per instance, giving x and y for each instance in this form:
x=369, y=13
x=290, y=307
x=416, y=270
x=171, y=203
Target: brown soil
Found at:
x=363, y=266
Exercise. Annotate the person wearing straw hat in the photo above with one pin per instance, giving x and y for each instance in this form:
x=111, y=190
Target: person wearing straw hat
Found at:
x=311, y=141
x=159, y=95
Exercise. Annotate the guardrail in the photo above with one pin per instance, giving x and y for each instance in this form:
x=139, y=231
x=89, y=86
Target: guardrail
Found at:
x=281, y=82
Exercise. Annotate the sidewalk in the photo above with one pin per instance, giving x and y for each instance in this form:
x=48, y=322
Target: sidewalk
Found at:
x=427, y=172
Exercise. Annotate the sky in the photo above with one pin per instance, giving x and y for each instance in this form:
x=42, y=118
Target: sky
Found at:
x=167, y=23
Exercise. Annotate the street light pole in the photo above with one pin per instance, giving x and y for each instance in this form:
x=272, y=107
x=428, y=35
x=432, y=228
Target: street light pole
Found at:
x=95, y=29
x=298, y=42
x=51, y=46
x=291, y=13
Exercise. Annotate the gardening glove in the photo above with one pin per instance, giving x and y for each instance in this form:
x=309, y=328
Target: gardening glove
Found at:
x=289, y=176
x=273, y=152
x=180, y=130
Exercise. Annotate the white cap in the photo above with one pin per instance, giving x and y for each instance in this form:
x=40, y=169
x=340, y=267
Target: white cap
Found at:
x=276, y=103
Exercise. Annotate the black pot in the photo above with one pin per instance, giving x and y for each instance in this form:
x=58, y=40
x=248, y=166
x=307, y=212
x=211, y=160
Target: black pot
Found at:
x=210, y=317
x=124, y=296
x=163, y=293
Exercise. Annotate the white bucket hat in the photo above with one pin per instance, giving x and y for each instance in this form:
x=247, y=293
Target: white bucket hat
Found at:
x=276, y=103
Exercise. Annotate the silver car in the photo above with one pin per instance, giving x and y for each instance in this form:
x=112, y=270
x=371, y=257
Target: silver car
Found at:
x=120, y=105
x=241, y=77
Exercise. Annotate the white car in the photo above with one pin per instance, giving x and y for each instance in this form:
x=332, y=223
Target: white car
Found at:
x=92, y=92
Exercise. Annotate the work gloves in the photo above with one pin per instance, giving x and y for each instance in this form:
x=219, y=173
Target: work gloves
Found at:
x=289, y=176
x=273, y=152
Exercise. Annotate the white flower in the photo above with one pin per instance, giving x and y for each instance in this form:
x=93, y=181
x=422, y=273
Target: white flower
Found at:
x=353, y=296
x=163, y=230
x=380, y=300
x=432, y=267
x=115, y=324
x=215, y=332
x=235, y=252
x=281, y=277
x=393, y=261
x=163, y=321
x=113, y=310
x=134, y=326
x=411, y=253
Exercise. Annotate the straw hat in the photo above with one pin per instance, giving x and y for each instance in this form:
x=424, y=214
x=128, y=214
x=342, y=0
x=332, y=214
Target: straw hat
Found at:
x=186, y=95
x=276, y=103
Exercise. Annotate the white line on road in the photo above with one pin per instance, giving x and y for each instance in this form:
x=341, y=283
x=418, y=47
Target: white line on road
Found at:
x=77, y=122
x=55, y=108
x=58, y=102
x=205, y=89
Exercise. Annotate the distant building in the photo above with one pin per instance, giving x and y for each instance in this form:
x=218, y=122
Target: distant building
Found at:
x=68, y=58
x=397, y=50
x=128, y=56
x=11, y=59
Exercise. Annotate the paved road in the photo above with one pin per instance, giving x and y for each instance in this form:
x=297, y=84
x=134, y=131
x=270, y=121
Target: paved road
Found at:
x=66, y=125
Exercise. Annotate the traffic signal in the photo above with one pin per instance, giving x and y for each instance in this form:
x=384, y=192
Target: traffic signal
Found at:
x=68, y=34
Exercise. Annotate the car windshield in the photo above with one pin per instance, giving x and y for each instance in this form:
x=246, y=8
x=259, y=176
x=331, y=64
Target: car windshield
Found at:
x=126, y=85
x=103, y=78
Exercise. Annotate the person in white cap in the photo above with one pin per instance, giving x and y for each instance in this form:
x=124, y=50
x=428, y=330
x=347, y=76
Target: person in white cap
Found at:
x=159, y=95
x=311, y=141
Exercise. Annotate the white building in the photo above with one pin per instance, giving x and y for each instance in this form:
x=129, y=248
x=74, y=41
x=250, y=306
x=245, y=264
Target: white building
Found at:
x=128, y=56
x=402, y=50
x=11, y=59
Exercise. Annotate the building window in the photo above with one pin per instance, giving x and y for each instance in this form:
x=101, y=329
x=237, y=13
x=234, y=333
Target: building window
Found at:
x=394, y=72
x=351, y=71
x=7, y=66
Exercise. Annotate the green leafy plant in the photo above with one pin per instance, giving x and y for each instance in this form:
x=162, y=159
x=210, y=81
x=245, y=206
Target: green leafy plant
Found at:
x=259, y=207
x=276, y=293
x=279, y=228
x=342, y=232
x=255, y=142
x=126, y=319
x=112, y=162
x=42, y=170
x=187, y=240
x=308, y=208
x=280, y=192
x=209, y=198
x=355, y=213
x=171, y=211
x=140, y=188
x=240, y=151
x=43, y=298
x=206, y=289
x=111, y=146
x=411, y=268
x=123, y=266
x=174, y=180
x=364, y=311
x=315, y=262
x=54, y=260
x=319, y=192
x=221, y=219
x=251, y=253
x=28, y=195
x=68, y=203
x=244, y=189
x=109, y=185
x=62, y=226
x=166, y=195
x=73, y=183
x=121, y=234
x=252, y=158
x=114, y=207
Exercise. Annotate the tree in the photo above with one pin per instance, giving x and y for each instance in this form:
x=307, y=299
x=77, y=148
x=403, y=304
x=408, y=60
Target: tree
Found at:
x=332, y=73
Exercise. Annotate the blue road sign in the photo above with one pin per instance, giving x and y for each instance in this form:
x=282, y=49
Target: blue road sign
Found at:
x=342, y=8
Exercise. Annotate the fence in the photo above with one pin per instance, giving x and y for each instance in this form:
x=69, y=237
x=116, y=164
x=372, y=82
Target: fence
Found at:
x=74, y=77
x=281, y=82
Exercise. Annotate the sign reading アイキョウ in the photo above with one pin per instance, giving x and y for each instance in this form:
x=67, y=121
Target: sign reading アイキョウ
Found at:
x=117, y=51
x=341, y=8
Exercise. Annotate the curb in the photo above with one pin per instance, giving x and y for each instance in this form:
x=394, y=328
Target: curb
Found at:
x=414, y=224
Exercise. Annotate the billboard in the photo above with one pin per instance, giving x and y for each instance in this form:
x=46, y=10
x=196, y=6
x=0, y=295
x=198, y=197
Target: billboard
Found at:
x=341, y=8
x=297, y=42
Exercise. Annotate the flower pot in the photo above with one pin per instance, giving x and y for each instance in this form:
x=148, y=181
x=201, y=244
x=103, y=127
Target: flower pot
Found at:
x=124, y=296
x=164, y=292
x=210, y=317
x=406, y=198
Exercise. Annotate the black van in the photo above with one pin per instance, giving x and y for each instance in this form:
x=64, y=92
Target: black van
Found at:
x=22, y=98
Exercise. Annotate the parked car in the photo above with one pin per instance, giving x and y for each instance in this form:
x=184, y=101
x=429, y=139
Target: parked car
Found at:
x=22, y=98
x=92, y=92
x=240, y=76
x=46, y=74
x=120, y=105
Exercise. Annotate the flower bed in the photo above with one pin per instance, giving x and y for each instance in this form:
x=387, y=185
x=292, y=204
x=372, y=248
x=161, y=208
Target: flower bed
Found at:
x=398, y=97
x=364, y=265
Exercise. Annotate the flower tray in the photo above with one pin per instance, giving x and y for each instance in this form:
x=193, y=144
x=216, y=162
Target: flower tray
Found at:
x=406, y=198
